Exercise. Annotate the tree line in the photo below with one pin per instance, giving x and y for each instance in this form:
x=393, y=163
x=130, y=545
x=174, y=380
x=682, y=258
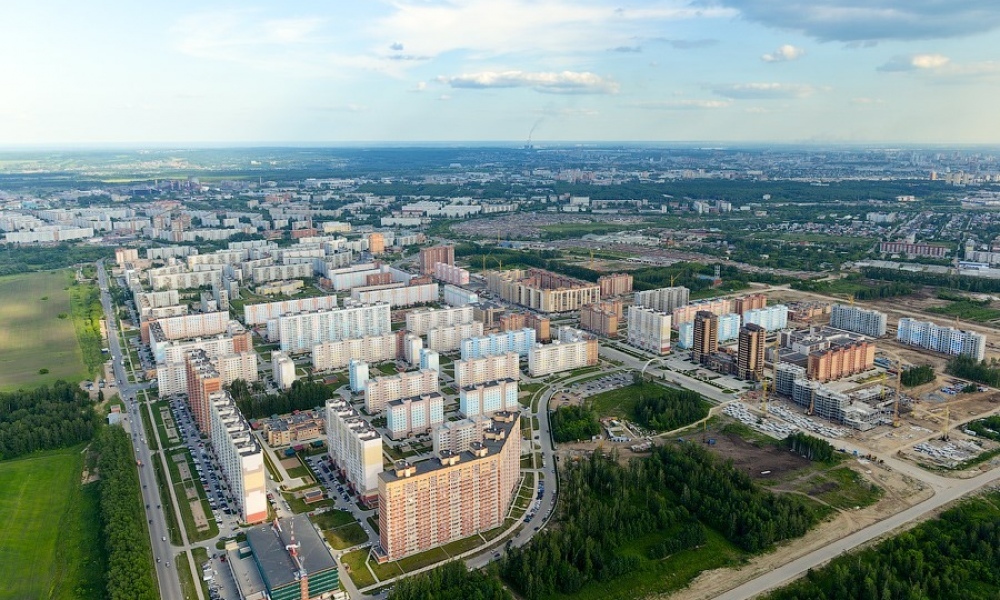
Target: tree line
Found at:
x=667, y=408
x=30, y=258
x=303, y=395
x=917, y=375
x=123, y=520
x=85, y=302
x=45, y=418
x=969, y=368
x=962, y=283
x=451, y=581
x=813, y=448
x=988, y=427
x=574, y=423
x=674, y=492
x=954, y=556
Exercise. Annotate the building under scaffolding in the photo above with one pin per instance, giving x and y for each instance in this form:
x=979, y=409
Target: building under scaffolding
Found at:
x=861, y=409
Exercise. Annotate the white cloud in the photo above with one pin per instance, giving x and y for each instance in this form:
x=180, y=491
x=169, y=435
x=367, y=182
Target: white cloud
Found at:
x=564, y=82
x=784, y=53
x=915, y=62
x=872, y=20
x=552, y=28
x=764, y=91
x=684, y=105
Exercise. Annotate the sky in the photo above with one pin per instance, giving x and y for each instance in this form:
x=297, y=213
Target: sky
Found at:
x=328, y=71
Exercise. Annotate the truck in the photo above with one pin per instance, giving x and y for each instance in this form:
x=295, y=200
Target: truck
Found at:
x=138, y=463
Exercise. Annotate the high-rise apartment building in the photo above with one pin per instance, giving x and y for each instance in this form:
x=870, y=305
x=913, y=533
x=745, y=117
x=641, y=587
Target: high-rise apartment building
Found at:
x=456, y=296
x=484, y=399
x=840, y=361
x=382, y=390
x=259, y=314
x=451, y=274
x=449, y=338
x=750, y=352
x=202, y=381
x=371, y=349
x=282, y=369
x=433, y=255
x=240, y=457
x=649, y=329
x=542, y=290
x=355, y=448
x=376, y=243
x=663, y=299
x=518, y=341
x=300, y=332
x=574, y=349
x=417, y=414
x=457, y=436
x=434, y=502
x=686, y=313
x=420, y=321
x=602, y=318
x=859, y=320
x=615, y=284
x=473, y=371
x=749, y=302
x=929, y=335
x=706, y=336
x=358, y=375
x=771, y=318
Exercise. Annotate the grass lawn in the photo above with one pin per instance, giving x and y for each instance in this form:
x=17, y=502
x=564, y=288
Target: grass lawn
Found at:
x=33, y=337
x=50, y=537
x=852, y=489
x=355, y=561
x=346, y=536
x=332, y=519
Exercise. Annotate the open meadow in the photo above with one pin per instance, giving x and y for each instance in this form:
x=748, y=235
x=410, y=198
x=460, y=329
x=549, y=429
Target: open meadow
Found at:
x=50, y=542
x=32, y=334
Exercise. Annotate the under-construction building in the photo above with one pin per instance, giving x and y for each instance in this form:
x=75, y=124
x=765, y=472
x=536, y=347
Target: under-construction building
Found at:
x=861, y=409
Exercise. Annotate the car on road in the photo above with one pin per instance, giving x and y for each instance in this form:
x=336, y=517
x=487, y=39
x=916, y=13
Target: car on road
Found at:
x=163, y=539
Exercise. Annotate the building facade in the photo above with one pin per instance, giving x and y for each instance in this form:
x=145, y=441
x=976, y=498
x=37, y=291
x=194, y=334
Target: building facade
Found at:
x=420, y=321
x=615, y=284
x=382, y=390
x=574, y=349
x=602, y=318
x=929, y=335
x=449, y=339
x=517, y=341
x=649, y=329
x=859, y=320
x=371, y=349
x=417, y=414
x=473, y=371
x=434, y=255
x=283, y=370
x=750, y=352
x=706, y=336
x=437, y=501
x=241, y=459
x=542, y=290
x=301, y=332
x=484, y=399
x=663, y=299
x=355, y=448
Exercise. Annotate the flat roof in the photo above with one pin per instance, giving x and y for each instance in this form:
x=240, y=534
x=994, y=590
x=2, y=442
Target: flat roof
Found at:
x=276, y=565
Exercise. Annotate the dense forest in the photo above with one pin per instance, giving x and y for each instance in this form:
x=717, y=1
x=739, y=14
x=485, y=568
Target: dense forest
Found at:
x=123, y=520
x=45, y=418
x=669, y=408
x=303, y=395
x=810, y=447
x=867, y=291
x=674, y=491
x=450, y=582
x=917, y=375
x=29, y=258
x=573, y=423
x=954, y=556
x=967, y=367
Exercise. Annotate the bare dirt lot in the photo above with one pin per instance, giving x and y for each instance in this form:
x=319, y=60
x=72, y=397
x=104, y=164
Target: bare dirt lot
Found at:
x=767, y=462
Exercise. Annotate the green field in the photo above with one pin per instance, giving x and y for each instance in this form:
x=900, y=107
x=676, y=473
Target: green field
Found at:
x=32, y=336
x=50, y=534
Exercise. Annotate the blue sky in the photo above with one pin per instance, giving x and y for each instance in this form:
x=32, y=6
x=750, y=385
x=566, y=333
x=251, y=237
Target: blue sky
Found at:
x=103, y=71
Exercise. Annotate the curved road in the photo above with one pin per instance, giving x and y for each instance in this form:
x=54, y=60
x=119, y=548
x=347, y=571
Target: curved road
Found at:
x=798, y=567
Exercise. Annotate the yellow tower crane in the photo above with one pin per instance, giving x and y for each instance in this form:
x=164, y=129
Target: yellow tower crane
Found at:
x=899, y=393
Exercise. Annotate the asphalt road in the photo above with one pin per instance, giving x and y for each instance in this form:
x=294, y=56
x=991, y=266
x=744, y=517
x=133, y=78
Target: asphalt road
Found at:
x=169, y=584
x=796, y=568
